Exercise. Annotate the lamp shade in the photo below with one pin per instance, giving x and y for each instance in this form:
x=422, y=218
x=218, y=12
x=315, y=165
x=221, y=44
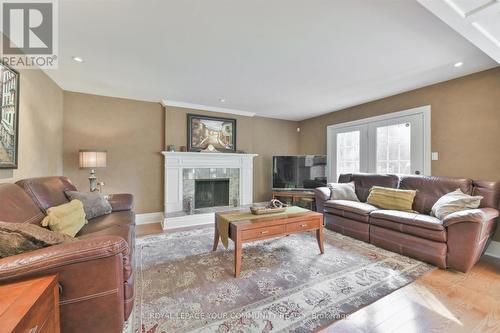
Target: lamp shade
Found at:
x=93, y=158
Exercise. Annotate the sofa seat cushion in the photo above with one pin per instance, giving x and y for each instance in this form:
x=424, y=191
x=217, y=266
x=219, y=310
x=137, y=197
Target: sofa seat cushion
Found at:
x=419, y=248
x=122, y=218
x=420, y=225
x=358, y=211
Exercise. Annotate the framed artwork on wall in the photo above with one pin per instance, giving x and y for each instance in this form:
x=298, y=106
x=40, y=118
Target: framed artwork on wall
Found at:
x=211, y=133
x=9, y=117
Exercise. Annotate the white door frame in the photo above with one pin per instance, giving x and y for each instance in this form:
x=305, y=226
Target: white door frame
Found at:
x=425, y=111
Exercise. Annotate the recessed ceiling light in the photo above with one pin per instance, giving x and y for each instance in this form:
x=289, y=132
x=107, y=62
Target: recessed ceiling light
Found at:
x=458, y=64
x=222, y=100
x=77, y=59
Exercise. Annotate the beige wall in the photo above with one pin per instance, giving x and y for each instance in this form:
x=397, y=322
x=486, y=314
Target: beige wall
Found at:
x=133, y=134
x=40, y=128
x=465, y=124
x=258, y=135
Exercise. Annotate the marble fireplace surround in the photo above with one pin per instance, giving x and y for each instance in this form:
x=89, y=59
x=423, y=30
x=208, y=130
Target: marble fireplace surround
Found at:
x=191, y=175
x=183, y=168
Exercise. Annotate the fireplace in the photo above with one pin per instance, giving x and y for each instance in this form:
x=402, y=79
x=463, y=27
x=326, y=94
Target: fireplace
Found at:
x=211, y=192
x=184, y=169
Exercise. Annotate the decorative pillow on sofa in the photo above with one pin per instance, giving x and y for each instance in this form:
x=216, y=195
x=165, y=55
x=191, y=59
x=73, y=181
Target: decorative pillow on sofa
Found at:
x=454, y=202
x=391, y=198
x=16, y=238
x=67, y=218
x=343, y=191
x=94, y=203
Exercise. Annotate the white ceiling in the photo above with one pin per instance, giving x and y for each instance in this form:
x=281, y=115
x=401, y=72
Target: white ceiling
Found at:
x=288, y=59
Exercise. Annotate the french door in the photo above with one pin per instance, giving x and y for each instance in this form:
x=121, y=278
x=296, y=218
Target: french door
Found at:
x=397, y=143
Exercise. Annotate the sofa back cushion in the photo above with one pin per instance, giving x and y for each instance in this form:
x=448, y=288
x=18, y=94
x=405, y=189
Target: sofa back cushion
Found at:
x=47, y=192
x=365, y=181
x=16, y=206
x=430, y=189
x=489, y=190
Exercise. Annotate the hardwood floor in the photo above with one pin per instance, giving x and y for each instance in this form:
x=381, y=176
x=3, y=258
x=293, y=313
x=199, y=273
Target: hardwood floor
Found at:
x=148, y=229
x=441, y=301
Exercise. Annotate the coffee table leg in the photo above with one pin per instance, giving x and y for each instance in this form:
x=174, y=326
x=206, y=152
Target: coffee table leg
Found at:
x=319, y=237
x=216, y=237
x=237, y=259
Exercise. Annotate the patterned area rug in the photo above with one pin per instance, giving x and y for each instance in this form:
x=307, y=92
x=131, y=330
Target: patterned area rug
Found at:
x=285, y=285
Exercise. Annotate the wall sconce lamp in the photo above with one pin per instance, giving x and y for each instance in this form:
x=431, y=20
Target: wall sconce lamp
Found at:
x=91, y=159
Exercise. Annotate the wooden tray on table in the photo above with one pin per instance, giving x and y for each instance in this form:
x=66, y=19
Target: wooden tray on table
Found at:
x=265, y=210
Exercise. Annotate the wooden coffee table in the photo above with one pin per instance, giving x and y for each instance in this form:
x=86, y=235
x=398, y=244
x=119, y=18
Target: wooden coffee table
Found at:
x=246, y=231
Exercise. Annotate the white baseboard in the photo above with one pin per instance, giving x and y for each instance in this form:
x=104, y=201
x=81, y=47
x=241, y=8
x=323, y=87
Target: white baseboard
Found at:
x=493, y=249
x=188, y=221
x=148, y=218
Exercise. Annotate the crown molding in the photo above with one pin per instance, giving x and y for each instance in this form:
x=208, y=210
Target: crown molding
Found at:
x=166, y=102
x=475, y=22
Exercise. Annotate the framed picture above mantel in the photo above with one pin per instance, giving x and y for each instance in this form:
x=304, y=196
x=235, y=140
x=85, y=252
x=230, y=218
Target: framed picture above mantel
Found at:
x=9, y=117
x=205, y=133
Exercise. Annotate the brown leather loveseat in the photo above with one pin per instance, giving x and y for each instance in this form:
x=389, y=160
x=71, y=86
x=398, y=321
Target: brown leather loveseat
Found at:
x=456, y=242
x=95, y=272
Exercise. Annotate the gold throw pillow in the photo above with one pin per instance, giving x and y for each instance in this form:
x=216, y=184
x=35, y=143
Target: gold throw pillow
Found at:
x=391, y=198
x=67, y=218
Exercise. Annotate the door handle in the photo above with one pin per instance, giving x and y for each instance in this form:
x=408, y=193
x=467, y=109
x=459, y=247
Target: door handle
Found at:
x=417, y=172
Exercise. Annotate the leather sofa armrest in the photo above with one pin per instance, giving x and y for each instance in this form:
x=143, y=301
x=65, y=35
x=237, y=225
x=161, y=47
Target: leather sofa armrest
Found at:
x=321, y=194
x=122, y=201
x=57, y=256
x=468, y=232
x=91, y=283
x=481, y=215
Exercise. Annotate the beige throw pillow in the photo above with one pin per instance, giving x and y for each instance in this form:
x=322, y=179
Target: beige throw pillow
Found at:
x=343, y=191
x=67, y=218
x=454, y=202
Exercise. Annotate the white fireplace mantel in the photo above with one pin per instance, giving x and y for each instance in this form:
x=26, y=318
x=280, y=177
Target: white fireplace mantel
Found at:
x=175, y=162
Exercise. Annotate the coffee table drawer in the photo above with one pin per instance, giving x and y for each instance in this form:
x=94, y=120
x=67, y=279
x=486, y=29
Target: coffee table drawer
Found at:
x=303, y=225
x=262, y=232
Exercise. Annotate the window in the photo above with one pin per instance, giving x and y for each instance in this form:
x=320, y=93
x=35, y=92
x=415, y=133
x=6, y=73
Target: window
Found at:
x=394, y=149
x=396, y=143
x=348, y=152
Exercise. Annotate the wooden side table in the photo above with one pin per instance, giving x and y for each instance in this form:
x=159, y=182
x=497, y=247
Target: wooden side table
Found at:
x=30, y=306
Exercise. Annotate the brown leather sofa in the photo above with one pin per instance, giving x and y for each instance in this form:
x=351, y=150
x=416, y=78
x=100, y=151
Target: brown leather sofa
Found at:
x=456, y=242
x=95, y=272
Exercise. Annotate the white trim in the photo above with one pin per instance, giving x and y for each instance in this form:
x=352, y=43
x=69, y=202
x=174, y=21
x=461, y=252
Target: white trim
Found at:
x=175, y=162
x=203, y=154
x=148, y=218
x=166, y=102
x=425, y=111
x=188, y=221
x=493, y=249
x=471, y=24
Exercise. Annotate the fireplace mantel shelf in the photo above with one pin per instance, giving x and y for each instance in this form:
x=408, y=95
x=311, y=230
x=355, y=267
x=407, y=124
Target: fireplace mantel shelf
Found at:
x=204, y=155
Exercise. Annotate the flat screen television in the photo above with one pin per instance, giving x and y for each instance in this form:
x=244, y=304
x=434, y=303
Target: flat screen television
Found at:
x=299, y=172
